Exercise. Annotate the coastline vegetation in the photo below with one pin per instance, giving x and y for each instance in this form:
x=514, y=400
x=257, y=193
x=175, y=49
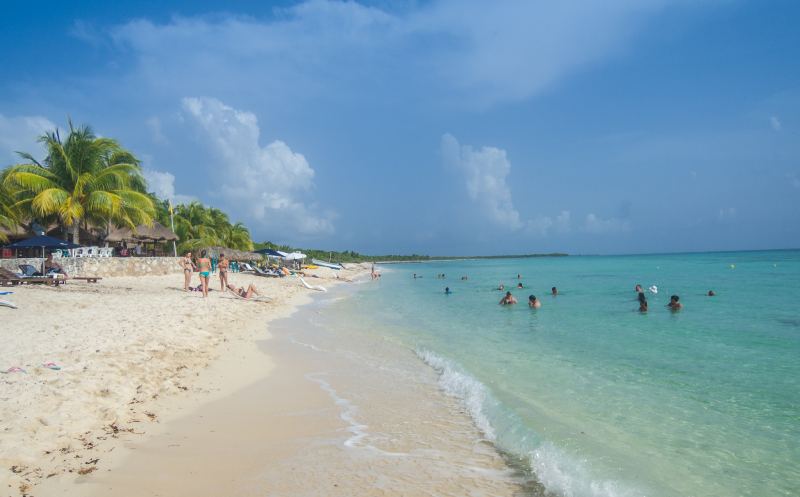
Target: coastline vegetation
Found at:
x=89, y=181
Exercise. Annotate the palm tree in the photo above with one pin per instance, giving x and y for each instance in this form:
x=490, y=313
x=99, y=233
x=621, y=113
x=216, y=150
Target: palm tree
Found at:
x=84, y=179
x=9, y=216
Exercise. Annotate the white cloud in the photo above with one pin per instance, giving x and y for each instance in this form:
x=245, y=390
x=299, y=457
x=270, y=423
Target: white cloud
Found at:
x=476, y=52
x=261, y=183
x=163, y=185
x=775, y=123
x=484, y=172
x=599, y=226
x=20, y=134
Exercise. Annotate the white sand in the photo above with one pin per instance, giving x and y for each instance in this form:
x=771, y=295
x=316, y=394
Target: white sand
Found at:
x=127, y=347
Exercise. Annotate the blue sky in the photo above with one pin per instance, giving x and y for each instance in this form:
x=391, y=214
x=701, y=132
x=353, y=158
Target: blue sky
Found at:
x=439, y=127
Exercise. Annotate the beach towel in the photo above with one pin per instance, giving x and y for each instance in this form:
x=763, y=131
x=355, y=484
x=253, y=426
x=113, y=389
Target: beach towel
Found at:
x=6, y=303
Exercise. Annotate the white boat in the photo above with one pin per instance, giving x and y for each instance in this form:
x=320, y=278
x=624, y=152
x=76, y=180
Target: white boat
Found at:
x=326, y=264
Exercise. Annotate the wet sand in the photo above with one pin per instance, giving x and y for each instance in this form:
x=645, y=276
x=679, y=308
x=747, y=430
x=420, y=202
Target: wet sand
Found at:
x=341, y=413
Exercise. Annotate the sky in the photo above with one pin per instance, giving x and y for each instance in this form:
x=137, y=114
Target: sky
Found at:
x=442, y=127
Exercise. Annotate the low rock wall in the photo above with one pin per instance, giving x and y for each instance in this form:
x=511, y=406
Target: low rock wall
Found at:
x=104, y=266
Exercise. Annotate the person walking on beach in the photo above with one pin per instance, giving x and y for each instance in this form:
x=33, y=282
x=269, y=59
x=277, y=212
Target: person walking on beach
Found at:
x=533, y=302
x=188, y=267
x=508, y=299
x=204, y=265
x=223, y=271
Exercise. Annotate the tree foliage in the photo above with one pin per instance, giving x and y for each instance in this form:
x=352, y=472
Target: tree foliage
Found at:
x=84, y=179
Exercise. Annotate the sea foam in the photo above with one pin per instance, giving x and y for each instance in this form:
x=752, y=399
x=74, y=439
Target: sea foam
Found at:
x=556, y=470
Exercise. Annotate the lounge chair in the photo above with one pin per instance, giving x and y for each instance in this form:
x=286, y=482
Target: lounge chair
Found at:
x=245, y=267
x=88, y=279
x=29, y=271
x=269, y=273
x=7, y=278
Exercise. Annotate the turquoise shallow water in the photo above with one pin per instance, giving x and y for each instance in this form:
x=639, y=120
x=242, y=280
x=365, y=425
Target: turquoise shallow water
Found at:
x=601, y=400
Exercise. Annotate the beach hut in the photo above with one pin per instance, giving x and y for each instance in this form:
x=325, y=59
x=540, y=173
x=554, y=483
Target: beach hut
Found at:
x=142, y=234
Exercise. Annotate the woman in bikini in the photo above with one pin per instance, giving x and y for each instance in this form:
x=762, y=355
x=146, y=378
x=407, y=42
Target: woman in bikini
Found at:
x=251, y=290
x=188, y=266
x=204, y=265
x=223, y=271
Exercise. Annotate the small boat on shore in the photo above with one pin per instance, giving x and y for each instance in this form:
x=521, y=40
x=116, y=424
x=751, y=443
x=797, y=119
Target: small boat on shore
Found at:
x=326, y=264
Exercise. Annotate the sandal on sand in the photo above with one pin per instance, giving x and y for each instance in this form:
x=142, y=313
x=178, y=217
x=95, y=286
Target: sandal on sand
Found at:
x=14, y=369
x=52, y=365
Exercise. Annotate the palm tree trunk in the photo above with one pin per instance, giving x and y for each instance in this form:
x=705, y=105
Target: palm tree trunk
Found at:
x=76, y=233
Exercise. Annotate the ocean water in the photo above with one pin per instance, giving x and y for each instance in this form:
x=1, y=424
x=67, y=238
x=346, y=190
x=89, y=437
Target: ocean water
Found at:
x=597, y=399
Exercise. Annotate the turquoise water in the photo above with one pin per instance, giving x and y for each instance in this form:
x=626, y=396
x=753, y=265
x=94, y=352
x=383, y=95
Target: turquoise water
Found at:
x=600, y=400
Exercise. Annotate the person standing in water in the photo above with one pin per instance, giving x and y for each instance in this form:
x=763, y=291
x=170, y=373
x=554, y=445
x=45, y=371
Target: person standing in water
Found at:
x=204, y=265
x=674, y=303
x=533, y=302
x=554, y=291
x=642, y=302
x=223, y=271
x=447, y=290
x=508, y=299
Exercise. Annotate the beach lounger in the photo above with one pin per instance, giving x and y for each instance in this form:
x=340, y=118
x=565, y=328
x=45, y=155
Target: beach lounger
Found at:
x=7, y=278
x=29, y=270
x=272, y=274
x=6, y=303
x=88, y=279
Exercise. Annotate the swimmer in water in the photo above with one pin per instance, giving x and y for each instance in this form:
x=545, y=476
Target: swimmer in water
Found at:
x=554, y=290
x=447, y=290
x=508, y=299
x=519, y=285
x=533, y=302
x=674, y=303
x=501, y=287
x=711, y=293
x=639, y=289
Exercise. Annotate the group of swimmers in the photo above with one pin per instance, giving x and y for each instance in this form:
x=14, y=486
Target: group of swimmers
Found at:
x=533, y=302
x=203, y=266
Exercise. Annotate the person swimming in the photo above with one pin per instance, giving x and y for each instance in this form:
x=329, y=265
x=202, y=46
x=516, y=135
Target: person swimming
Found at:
x=501, y=287
x=508, y=299
x=519, y=285
x=711, y=293
x=554, y=291
x=674, y=303
x=533, y=302
x=447, y=290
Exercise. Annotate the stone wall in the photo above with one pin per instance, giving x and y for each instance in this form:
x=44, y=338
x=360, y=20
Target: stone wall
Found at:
x=104, y=266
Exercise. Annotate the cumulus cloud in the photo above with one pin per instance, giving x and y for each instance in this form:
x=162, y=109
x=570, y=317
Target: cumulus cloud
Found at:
x=260, y=182
x=478, y=53
x=162, y=183
x=484, y=172
x=20, y=134
x=596, y=225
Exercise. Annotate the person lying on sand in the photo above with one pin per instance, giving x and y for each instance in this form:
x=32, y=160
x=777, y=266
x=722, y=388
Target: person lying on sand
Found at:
x=246, y=294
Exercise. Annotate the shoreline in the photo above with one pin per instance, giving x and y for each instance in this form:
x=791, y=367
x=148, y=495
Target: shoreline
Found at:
x=321, y=421
x=134, y=354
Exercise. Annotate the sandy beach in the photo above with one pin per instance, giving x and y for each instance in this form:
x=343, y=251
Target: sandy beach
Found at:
x=98, y=365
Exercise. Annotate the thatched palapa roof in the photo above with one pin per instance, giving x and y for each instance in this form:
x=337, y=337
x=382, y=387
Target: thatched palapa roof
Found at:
x=155, y=233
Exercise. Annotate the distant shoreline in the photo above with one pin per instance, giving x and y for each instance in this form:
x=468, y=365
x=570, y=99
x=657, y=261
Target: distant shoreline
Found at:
x=470, y=258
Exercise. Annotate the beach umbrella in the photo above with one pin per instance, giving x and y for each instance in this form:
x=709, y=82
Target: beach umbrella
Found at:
x=44, y=242
x=270, y=252
x=294, y=256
